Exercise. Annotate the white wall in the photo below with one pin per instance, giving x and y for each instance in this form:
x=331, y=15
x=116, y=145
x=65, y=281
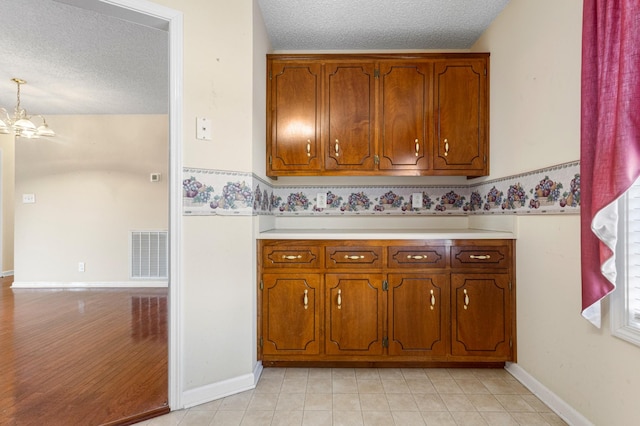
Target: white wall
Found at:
x=92, y=187
x=535, y=50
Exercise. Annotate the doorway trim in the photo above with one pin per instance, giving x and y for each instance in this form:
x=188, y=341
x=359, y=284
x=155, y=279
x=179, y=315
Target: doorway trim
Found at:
x=150, y=14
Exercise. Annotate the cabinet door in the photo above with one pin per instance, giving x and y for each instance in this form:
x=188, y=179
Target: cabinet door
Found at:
x=481, y=315
x=294, y=117
x=461, y=117
x=350, y=122
x=291, y=314
x=418, y=314
x=405, y=105
x=355, y=307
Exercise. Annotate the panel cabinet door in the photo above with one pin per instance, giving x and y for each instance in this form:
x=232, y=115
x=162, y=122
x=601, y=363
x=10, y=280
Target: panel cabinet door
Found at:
x=294, y=117
x=461, y=113
x=350, y=123
x=291, y=314
x=418, y=314
x=355, y=307
x=405, y=108
x=481, y=315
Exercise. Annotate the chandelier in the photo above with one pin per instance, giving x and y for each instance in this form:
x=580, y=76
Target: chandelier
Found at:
x=20, y=123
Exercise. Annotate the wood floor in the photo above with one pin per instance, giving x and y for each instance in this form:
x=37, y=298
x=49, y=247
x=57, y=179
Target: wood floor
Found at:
x=82, y=357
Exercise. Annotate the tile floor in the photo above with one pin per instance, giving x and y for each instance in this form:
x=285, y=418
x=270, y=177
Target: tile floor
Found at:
x=373, y=396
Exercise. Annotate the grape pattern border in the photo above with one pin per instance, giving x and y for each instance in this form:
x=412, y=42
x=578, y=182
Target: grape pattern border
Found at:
x=552, y=190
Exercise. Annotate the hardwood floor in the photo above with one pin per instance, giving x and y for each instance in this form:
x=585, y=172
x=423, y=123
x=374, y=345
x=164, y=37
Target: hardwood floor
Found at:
x=82, y=357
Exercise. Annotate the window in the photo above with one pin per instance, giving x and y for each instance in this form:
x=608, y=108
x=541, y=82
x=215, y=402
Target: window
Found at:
x=625, y=307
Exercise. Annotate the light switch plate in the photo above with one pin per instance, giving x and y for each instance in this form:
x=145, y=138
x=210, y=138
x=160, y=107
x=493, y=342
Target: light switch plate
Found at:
x=203, y=128
x=416, y=200
x=28, y=198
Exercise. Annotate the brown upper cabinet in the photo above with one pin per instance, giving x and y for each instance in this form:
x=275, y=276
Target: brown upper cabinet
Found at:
x=460, y=116
x=405, y=107
x=294, y=117
x=378, y=114
x=349, y=128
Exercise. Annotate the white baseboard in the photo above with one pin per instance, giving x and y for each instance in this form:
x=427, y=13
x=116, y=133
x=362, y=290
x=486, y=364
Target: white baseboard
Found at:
x=7, y=273
x=221, y=389
x=93, y=284
x=553, y=401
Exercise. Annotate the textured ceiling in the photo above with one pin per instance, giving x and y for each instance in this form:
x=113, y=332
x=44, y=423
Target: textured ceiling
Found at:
x=83, y=60
x=77, y=61
x=377, y=24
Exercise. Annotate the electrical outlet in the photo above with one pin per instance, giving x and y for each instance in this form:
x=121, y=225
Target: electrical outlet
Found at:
x=80, y=266
x=321, y=200
x=28, y=198
x=416, y=200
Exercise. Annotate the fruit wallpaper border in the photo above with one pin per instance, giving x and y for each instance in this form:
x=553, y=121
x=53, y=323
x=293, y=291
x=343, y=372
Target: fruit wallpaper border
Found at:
x=552, y=190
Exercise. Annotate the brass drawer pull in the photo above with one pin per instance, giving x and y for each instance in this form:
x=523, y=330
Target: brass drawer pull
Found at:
x=291, y=257
x=416, y=256
x=446, y=147
x=355, y=257
x=308, y=147
x=305, y=299
x=466, y=299
x=337, y=148
x=480, y=257
x=417, y=147
x=339, y=299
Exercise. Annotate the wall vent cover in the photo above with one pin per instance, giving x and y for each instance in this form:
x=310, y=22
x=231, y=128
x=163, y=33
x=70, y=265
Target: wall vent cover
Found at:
x=149, y=254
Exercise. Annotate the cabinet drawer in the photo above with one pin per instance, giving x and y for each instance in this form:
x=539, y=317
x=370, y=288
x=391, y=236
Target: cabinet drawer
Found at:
x=353, y=257
x=417, y=257
x=480, y=257
x=291, y=257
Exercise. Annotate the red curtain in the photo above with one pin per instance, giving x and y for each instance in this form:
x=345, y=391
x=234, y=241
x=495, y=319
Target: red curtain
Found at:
x=610, y=137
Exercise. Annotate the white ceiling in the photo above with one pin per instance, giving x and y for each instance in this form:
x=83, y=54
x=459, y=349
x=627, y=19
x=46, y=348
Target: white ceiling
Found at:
x=81, y=61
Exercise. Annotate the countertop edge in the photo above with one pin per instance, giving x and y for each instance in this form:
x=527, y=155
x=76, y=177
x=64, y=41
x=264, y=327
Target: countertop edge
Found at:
x=383, y=234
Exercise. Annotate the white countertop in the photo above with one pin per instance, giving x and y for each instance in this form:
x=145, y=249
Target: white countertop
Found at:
x=383, y=234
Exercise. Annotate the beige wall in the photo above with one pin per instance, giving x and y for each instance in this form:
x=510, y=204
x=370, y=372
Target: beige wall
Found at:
x=535, y=50
x=535, y=47
x=92, y=187
x=7, y=146
x=224, y=45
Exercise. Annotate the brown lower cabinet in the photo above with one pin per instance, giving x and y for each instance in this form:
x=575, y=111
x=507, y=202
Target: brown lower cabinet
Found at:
x=413, y=302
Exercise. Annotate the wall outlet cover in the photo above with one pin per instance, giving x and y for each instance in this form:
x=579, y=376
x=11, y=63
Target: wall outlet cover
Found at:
x=416, y=200
x=321, y=200
x=203, y=128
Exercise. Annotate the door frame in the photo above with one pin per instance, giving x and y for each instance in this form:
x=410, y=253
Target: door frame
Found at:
x=151, y=14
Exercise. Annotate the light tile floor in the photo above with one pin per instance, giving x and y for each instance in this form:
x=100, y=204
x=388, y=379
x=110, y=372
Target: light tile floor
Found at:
x=373, y=396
